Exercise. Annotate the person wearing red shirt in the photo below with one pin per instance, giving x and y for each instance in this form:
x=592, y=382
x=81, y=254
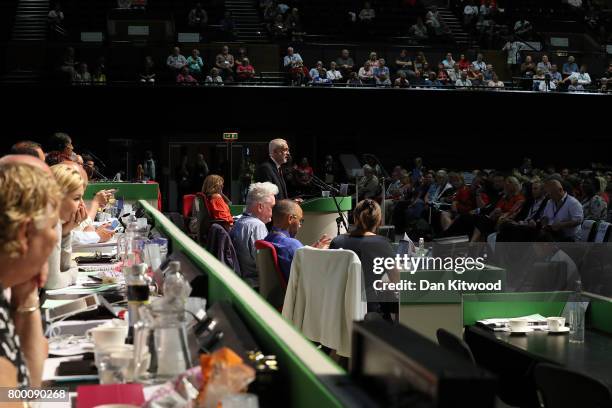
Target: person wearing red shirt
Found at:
x=245, y=71
x=216, y=201
x=506, y=210
x=464, y=63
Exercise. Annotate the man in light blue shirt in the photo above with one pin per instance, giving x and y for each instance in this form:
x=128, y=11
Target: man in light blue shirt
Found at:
x=563, y=213
x=570, y=66
x=291, y=58
x=251, y=227
x=381, y=70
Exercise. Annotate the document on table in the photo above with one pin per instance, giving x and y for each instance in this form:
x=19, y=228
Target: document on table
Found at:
x=535, y=321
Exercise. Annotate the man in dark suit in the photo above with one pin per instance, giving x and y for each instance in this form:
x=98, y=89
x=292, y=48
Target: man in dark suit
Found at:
x=270, y=170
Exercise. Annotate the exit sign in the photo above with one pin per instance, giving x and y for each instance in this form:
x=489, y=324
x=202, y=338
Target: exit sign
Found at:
x=230, y=136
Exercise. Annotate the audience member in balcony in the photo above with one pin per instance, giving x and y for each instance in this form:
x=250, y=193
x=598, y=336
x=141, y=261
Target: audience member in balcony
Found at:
x=570, y=66
x=401, y=81
x=582, y=77
x=197, y=17
x=608, y=74
x=544, y=65
x=420, y=61
x=299, y=74
x=225, y=64
x=147, y=76
x=432, y=80
x=381, y=69
x=442, y=74
x=373, y=59
x=523, y=28
x=176, y=61
x=495, y=82
x=354, y=80
x=479, y=64
x=82, y=75
x=55, y=19
x=454, y=74
x=345, y=63
x=475, y=77
x=214, y=78
x=448, y=62
x=419, y=30
x=69, y=64
x=99, y=77
x=605, y=85
x=294, y=25
x=555, y=75
x=228, y=26
x=434, y=22
x=314, y=72
x=321, y=78
x=383, y=81
x=594, y=206
x=575, y=86
x=487, y=74
x=278, y=28
x=366, y=74
x=270, y=11
x=539, y=83
x=291, y=59
x=367, y=15
x=513, y=49
x=333, y=73
x=195, y=64
x=463, y=82
x=528, y=68
x=185, y=77
x=245, y=71
x=404, y=64
x=463, y=63
x=470, y=13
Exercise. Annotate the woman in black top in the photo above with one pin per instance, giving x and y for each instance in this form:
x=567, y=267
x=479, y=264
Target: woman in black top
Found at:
x=368, y=246
x=29, y=199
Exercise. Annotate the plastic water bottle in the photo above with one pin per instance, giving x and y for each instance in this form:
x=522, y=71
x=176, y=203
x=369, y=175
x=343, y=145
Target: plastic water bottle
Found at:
x=576, y=316
x=175, y=284
x=421, y=251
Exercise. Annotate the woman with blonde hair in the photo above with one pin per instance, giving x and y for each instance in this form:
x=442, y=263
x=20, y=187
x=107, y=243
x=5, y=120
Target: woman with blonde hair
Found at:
x=367, y=217
x=29, y=200
x=72, y=211
x=216, y=201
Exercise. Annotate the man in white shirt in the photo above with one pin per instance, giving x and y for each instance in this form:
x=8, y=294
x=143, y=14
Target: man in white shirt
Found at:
x=176, y=61
x=563, y=213
x=332, y=73
x=582, y=78
x=463, y=82
x=479, y=64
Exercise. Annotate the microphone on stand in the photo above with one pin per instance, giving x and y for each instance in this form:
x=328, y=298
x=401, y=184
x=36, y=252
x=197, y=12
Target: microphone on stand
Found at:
x=93, y=156
x=340, y=221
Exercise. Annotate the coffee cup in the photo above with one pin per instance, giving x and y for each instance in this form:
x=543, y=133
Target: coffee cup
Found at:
x=555, y=323
x=106, y=336
x=518, y=324
x=324, y=193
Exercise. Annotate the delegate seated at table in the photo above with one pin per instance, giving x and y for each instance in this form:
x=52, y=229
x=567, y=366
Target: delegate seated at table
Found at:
x=30, y=198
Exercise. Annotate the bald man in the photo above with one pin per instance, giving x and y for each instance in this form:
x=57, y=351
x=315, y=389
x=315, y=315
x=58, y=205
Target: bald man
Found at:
x=270, y=170
x=287, y=219
x=563, y=213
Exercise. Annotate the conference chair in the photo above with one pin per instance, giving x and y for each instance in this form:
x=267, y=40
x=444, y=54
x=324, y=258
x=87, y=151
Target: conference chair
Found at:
x=454, y=344
x=325, y=295
x=587, y=231
x=272, y=282
x=561, y=388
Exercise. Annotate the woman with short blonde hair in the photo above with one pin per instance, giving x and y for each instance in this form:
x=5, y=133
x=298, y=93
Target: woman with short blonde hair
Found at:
x=29, y=200
x=72, y=211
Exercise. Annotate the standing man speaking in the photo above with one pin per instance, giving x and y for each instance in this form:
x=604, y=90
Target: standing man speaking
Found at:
x=270, y=170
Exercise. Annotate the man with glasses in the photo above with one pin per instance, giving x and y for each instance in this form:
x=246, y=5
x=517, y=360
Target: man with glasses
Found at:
x=270, y=170
x=287, y=219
